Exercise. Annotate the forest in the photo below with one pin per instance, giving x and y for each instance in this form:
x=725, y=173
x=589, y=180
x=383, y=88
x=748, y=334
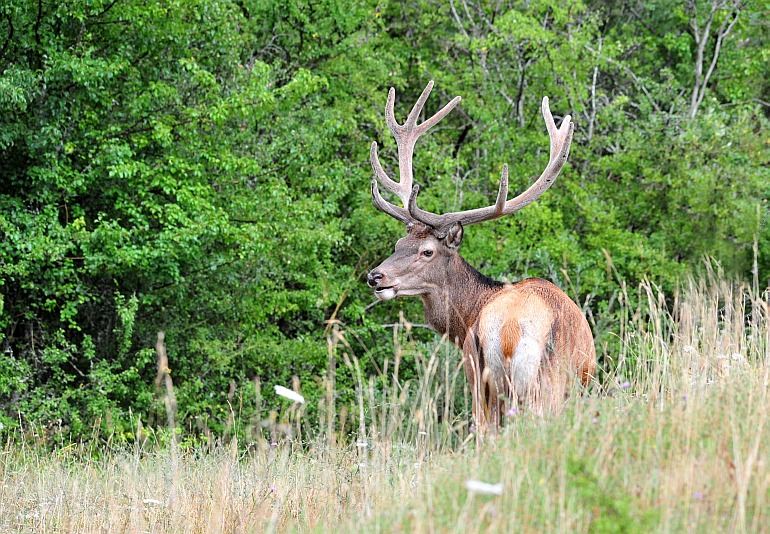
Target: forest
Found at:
x=201, y=168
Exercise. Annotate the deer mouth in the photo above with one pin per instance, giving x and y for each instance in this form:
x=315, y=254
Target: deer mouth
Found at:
x=386, y=293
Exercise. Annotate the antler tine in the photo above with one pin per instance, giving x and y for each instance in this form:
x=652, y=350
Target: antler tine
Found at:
x=561, y=139
x=550, y=125
x=502, y=193
x=394, y=211
x=379, y=171
x=406, y=136
x=414, y=114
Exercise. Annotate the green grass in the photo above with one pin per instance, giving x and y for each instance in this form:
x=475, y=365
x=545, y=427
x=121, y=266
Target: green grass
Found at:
x=674, y=439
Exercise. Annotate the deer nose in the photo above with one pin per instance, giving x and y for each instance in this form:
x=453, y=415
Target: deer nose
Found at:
x=374, y=279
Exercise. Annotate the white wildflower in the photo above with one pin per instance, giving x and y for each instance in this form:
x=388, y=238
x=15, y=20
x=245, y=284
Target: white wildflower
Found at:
x=484, y=488
x=289, y=394
x=689, y=349
x=152, y=501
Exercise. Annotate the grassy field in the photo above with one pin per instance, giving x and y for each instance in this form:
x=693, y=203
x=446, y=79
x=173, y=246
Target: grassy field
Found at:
x=675, y=440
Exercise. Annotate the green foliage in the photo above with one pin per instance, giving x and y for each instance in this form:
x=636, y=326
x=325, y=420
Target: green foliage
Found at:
x=201, y=167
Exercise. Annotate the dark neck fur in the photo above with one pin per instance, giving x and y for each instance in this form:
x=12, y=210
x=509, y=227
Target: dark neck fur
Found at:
x=453, y=308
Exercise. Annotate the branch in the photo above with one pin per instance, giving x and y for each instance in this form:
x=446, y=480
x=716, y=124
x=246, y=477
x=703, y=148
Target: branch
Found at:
x=628, y=71
x=724, y=31
x=701, y=38
x=105, y=10
x=592, y=115
x=457, y=19
x=461, y=140
x=749, y=101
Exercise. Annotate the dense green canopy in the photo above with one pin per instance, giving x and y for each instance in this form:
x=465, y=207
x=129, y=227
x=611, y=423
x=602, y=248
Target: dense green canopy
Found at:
x=201, y=167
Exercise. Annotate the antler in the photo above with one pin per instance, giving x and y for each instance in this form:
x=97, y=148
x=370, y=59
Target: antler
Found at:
x=561, y=138
x=406, y=136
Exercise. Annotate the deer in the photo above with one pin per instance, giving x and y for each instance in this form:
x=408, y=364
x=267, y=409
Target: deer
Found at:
x=524, y=344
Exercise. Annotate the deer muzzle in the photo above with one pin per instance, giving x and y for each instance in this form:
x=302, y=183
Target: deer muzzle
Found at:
x=381, y=290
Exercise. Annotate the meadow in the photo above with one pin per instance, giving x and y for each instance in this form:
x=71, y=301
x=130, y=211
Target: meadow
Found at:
x=675, y=441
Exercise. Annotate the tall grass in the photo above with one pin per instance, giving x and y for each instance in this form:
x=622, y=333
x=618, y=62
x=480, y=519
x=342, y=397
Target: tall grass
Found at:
x=674, y=438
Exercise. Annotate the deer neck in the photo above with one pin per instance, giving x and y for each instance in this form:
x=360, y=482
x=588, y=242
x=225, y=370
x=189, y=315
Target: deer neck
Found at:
x=453, y=308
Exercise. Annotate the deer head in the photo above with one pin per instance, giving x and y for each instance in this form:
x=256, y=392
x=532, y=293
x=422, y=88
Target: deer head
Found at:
x=419, y=264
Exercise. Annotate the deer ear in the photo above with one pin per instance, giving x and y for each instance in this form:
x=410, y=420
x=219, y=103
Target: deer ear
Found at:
x=455, y=236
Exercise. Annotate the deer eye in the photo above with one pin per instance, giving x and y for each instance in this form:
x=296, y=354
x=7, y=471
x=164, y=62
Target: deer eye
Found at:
x=427, y=253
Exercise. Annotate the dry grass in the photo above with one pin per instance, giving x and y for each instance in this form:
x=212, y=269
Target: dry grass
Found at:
x=675, y=440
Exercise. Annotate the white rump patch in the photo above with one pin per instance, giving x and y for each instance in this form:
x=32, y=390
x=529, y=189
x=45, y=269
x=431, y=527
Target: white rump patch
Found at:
x=527, y=358
x=493, y=350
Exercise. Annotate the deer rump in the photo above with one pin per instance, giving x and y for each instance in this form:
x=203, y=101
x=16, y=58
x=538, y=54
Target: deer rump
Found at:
x=529, y=346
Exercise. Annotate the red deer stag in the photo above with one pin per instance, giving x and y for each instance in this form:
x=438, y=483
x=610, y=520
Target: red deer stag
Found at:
x=522, y=343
